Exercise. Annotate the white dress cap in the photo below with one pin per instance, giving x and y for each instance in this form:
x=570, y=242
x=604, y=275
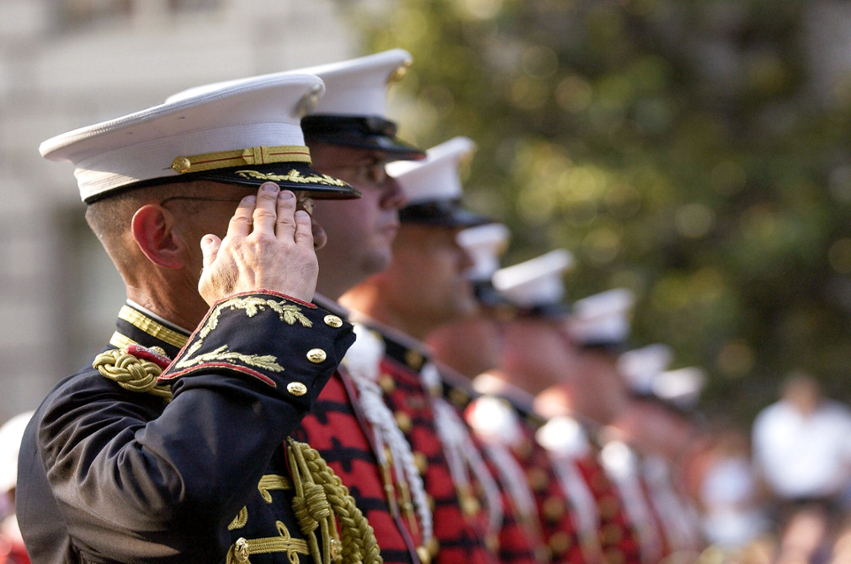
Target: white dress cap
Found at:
x=681, y=387
x=602, y=319
x=356, y=87
x=436, y=177
x=536, y=282
x=640, y=367
x=485, y=244
x=249, y=128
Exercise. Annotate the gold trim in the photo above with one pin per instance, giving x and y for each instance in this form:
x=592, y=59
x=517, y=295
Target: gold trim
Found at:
x=249, y=156
x=151, y=327
x=240, y=520
x=273, y=482
x=119, y=341
x=244, y=548
x=293, y=176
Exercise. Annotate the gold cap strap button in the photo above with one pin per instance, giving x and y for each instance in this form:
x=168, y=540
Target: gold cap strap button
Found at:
x=333, y=321
x=241, y=550
x=316, y=356
x=297, y=389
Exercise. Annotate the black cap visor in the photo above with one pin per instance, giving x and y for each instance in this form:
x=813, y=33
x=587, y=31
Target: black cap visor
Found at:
x=288, y=175
x=442, y=213
x=369, y=132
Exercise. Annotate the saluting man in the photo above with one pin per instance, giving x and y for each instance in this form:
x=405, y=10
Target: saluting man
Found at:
x=171, y=446
x=352, y=427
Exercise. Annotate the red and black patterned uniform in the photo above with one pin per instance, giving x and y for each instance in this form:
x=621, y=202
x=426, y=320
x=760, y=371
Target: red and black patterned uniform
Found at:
x=337, y=429
x=618, y=539
x=460, y=525
x=560, y=540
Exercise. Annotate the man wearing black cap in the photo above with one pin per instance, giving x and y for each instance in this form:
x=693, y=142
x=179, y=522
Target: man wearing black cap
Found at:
x=173, y=447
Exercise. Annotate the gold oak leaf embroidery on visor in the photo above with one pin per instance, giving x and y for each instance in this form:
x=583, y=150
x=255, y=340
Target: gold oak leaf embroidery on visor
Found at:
x=252, y=305
x=292, y=176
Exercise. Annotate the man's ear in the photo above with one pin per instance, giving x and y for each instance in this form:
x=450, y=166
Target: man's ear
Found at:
x=154, y=233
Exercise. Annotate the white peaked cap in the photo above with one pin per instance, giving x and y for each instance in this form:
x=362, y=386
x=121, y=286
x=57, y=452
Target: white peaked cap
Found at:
x=436, y=177
x=11, y=434
x=640, y=367
x=356, y=87
x=250, y=116
x=535, y=282
x=680, y=387
x=485, y=244
x=603, y=318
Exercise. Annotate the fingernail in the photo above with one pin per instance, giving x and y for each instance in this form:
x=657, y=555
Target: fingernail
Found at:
x=249, y=199
x=286, y=195
x=269, y=187
x=302, y=213
x=207, y=241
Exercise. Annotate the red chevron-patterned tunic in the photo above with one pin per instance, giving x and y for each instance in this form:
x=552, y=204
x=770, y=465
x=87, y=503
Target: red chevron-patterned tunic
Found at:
x=556, y=521
x=335, y=429
x=460, y=522
x=618, y=539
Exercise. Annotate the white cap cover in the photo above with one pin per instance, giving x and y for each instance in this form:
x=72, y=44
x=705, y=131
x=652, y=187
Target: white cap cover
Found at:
x=437, y=176
x=485, y=244
x=536, y=282
x=640, y=367
x=603, y=318
x=254, y=122
x=680, y=387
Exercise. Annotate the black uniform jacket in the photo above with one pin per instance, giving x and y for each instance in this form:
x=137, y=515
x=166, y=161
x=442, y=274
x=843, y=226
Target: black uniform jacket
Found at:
x=107, y=474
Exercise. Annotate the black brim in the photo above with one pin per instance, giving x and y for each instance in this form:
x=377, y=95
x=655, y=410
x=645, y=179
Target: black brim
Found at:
x=443, y=213
x=363, y=132
x=291, y=176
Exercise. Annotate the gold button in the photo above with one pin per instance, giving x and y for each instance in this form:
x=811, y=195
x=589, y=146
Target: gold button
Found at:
x=423, y=554
x=421, y=462
x=414, y=359
x=553, y=509
x=181, y=164
x=560, y=542
x=333, y=321
x=538, y=478
x=240, y=550
x=459, y=397
x=387, y=383
x=316, y=356
x=403, y=421
x=297, y=388
x=433, y=546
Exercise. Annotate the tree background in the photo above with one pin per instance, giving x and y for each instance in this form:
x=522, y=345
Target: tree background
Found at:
x=676, y=148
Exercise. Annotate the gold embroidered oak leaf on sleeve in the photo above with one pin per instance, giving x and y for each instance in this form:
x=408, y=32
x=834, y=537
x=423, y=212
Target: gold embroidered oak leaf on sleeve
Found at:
x=251, y=305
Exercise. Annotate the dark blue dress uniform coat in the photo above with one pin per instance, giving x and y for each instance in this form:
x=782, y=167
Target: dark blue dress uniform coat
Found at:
x=107, y=474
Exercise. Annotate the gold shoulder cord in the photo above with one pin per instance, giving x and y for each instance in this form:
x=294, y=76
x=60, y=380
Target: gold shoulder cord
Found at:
x=319, y=492
x=131, y=373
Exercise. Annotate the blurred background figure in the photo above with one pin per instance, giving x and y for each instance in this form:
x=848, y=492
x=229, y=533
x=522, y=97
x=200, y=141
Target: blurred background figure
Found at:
x=12, y=549
x=803, y=456
x=729, y=493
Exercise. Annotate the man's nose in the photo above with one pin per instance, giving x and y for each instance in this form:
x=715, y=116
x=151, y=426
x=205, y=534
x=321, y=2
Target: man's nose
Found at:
x=393, y=197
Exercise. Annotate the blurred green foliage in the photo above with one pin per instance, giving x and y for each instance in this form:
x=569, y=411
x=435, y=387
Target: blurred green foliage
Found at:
x=676, y=148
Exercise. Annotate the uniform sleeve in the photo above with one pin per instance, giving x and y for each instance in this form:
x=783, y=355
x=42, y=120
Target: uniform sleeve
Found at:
x=139, y=482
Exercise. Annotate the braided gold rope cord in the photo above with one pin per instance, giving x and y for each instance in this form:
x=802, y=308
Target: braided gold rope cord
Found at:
x=358, y=537
x=131, y=373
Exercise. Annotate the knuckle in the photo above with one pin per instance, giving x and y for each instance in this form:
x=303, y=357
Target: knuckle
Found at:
x=263, y=214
